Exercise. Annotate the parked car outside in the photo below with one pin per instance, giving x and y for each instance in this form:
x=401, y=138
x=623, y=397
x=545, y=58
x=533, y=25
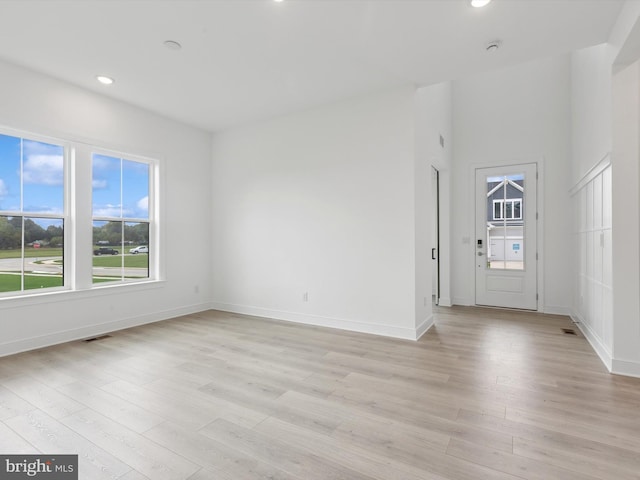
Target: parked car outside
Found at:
x=140, y=249
x=105, y=251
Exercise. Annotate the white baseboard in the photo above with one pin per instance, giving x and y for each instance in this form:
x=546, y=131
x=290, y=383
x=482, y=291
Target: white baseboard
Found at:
x=444, y=302
x=463, y=301
x=593, y=340
x=556, y=310
x=624, y=367
x=614, y=365
x=426, y=324
x=89, y=331
x=321, y=321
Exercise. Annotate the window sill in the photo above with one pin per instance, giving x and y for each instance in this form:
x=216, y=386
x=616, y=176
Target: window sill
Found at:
x=66, y=295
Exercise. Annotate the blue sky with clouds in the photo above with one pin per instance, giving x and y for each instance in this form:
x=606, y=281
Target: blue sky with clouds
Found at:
x=32, y=181
x=120, y=188
x=34, y=171
x=514, y=178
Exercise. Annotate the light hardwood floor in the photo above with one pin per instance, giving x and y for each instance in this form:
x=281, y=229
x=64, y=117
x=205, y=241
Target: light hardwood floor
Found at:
x=485, y=394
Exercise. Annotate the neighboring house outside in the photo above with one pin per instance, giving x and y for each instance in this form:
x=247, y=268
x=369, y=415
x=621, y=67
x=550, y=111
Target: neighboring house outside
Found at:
x=505, y=222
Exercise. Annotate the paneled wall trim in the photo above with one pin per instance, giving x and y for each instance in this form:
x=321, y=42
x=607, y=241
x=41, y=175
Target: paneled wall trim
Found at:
x=593, y=172
x=593, y=292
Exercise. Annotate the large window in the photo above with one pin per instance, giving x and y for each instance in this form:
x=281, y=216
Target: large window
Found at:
x=44, y=188
x=120, y=219
x=32, y=214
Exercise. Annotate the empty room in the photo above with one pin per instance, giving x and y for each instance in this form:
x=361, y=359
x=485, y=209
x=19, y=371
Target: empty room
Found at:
x=320, y=239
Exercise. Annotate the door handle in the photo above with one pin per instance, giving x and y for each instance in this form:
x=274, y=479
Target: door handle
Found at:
x=433, y=254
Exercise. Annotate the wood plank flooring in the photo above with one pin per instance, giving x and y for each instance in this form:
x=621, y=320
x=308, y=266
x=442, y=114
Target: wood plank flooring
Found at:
x=485, y=394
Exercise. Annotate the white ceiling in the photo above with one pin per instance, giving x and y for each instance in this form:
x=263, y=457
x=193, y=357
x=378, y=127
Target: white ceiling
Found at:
x=245, y=60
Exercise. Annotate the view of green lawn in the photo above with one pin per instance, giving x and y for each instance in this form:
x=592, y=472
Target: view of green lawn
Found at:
x=105, y=279
x=11, y=282
x=31, y=252
x=140, y=260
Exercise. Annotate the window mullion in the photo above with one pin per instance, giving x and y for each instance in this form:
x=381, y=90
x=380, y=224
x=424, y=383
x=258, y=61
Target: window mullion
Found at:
x=22, y=257
x=81, y=228
x=22, y=215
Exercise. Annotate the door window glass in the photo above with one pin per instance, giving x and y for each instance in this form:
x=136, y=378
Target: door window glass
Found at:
x=505, y=222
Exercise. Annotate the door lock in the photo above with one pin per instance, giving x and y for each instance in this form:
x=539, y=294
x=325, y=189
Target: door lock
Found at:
x=480, y=254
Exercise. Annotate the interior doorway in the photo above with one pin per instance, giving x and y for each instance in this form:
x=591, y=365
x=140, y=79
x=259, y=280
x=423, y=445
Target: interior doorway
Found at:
x=435, y=236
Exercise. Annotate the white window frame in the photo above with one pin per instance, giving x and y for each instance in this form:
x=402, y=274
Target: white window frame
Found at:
x=503, y=210
x=65, y=216
x=152, y=220
x=500, y=204
x=78, y=222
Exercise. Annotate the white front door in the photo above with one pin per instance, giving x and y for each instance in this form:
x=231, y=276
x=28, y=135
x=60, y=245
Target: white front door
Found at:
x=505, y=242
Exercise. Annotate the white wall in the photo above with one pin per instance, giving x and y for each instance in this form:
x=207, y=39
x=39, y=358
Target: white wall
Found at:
x=515, y=115
x=320, y=202
x=38, y=104
x=590, y=108
x=605, y=126
x=434, y=105
x=626, y=220
x=591, y=180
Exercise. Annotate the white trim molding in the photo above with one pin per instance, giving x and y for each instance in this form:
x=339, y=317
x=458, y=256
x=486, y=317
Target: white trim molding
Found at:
x=557, y=310
x=26, y=344
x=444, y=302
x=424, y=326
x=464, y=301
x=624, y=367
x=600, y=349
x=592, y=173
x=329, y=322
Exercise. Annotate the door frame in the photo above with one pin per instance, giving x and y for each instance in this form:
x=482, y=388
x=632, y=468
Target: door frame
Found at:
x=471, y=202
x=436, y=224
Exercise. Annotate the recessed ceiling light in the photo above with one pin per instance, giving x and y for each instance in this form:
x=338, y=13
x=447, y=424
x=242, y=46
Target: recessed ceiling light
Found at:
x=278, y=1
x=480, y=3
x=104, y=79
x=172, y=45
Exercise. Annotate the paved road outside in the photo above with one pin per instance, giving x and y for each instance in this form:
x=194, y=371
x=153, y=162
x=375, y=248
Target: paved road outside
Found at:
x=49, y=266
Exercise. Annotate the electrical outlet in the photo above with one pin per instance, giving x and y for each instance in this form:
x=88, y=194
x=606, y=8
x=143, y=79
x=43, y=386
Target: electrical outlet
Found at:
x=305, y=297
x=196, y=289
